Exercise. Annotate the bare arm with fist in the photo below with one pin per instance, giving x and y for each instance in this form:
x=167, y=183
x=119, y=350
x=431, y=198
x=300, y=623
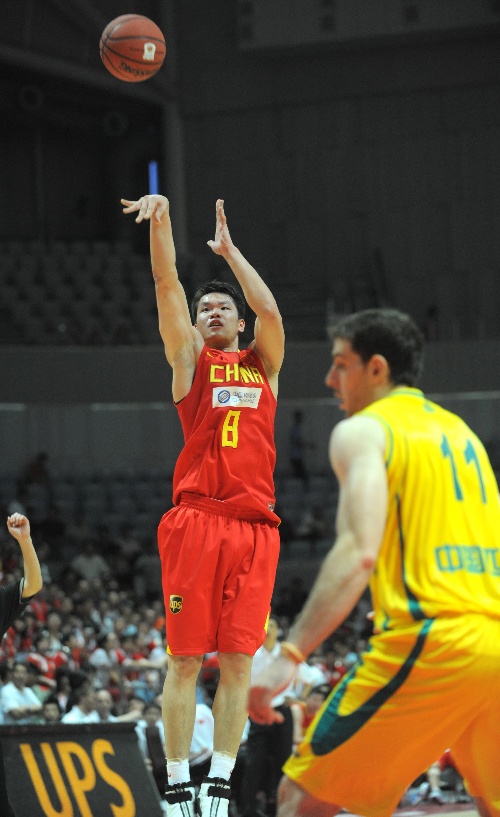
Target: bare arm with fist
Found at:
x=13, y=596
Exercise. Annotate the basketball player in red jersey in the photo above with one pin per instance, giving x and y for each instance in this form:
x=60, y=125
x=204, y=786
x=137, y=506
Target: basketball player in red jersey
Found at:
x=219, y=545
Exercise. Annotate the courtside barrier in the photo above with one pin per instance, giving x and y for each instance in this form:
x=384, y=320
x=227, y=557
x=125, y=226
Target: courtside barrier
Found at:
x=87, y=770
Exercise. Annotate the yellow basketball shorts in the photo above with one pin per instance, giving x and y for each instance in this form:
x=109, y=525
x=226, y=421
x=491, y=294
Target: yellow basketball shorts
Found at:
x=417, y=691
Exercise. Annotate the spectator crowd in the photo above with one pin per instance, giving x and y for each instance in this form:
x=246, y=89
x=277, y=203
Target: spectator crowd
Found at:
x=91, y=648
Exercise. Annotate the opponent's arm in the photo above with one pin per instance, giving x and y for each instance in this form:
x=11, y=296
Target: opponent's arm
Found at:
x=357, y=456
x=356, y=451
x=19, y=527
x=181, y=340
x=269, y=334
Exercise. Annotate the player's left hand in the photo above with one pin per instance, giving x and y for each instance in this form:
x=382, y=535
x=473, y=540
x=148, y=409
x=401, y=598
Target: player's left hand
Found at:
x=267, y=685
x=222, y=241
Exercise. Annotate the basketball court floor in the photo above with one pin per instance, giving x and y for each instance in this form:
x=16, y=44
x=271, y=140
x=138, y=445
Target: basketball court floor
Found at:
x=426, y=809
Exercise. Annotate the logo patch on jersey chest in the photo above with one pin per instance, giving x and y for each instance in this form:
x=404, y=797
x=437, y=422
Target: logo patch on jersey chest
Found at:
x=248, y=397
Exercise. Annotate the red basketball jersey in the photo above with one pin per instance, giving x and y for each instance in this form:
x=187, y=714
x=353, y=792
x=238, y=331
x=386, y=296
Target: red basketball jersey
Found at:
x=228, y=424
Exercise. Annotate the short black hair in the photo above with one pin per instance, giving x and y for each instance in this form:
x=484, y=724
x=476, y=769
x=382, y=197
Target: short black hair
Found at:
x=52, y=699
x=32, y=667
x=387, y=332
x=41, y=634
x=218, y=286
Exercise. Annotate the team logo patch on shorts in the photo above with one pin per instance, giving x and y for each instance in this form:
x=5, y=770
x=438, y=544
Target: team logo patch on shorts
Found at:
x=175, y=604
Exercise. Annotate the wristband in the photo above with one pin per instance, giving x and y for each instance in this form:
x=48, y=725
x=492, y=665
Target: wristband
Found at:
x=291, y=651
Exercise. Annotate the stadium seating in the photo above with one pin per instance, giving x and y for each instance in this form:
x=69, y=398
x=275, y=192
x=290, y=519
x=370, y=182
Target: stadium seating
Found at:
x=105, y=290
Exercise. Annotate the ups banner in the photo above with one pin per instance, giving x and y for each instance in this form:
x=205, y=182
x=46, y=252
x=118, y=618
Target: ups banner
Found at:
x=86, y=770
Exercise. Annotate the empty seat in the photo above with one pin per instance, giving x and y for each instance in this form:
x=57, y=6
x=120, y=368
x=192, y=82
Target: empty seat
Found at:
x=110, y=311
x=156, y=505
x=36, y=331
x=149, y=333
x=8, y=266
x=96, y=506
x=10, y=293
x=71, y=268
x=36, y=247
x=19, y=310
x=293, y=486
x=319, y=482
x=92, y=265
x=117, y=486
x=35, y=296
x=143, y=308
x=79, y=309
x=65, y=294
x=142, y=490
x=10, y=332
x=100, y=247
x=115, y=520
x=113, y=275
x=51, y=312
x=93, y=515
x=79, y=247
x=93, y=489
x=59, y=248
x=122, y=247
x=63, y=490
x=67, y=508
x=92, y=294
x=50, y=268
x=143, y=523
x=26, y=271
x=36, y=494
x=321, y=489
x=8, y=488
x=15, y=248
x=123, y=504
x=299, y=549
x=118, y=293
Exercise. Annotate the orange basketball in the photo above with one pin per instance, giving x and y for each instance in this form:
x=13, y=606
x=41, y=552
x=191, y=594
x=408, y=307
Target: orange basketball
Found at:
x=132, y=47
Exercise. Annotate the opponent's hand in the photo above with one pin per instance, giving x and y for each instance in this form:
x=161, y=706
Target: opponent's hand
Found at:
x=147, y=206
x=18, y=525
x=222, y=241
x=266, y=686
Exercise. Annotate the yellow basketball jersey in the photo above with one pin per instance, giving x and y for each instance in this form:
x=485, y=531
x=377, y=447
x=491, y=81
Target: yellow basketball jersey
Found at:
x=441, y=549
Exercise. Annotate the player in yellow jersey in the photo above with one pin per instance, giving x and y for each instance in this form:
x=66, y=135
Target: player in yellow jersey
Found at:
x=419, y=520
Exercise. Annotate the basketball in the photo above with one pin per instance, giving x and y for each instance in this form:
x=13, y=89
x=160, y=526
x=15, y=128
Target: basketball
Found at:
x=132, y=47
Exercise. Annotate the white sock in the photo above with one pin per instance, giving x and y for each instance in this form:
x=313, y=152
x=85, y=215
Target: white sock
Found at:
x=177, y=771
x=222, y=765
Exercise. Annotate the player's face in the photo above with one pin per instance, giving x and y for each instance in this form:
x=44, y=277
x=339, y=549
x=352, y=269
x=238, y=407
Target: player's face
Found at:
x=349, y=378
x=217, y=320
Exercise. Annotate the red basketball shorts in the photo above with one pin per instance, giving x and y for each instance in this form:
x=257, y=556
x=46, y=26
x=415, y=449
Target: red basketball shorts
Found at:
x=218, y=575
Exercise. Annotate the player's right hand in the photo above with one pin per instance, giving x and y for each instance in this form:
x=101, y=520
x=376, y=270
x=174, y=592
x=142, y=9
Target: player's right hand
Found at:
x=271, y=681
x=147, y=206
x=259, y=707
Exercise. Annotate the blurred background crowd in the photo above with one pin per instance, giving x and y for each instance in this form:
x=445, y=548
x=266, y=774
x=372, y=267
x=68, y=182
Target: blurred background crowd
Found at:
x=91, y=648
